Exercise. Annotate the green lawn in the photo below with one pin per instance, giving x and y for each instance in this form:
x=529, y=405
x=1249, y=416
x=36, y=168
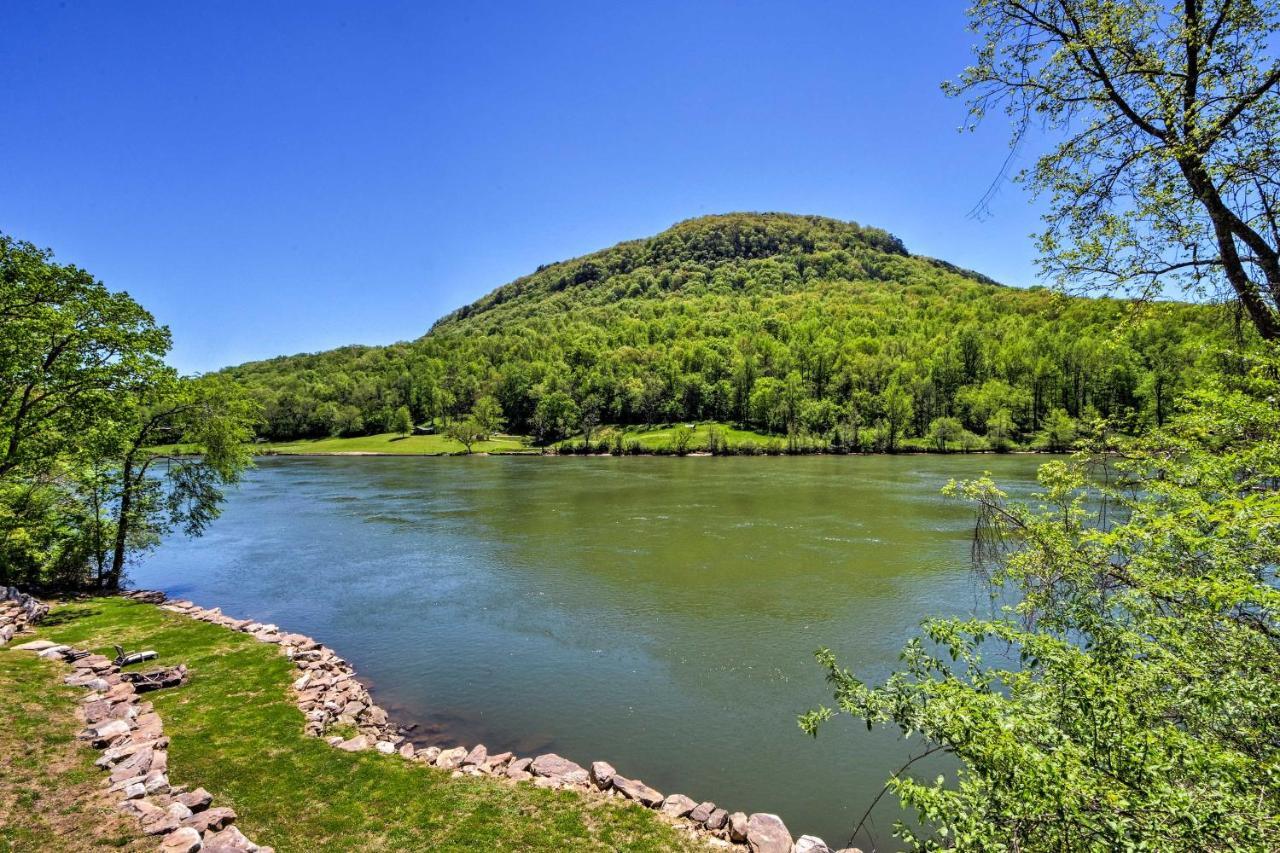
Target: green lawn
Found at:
x=50, y=792
x=661, y=437
x=388, y=442
x=235, y=731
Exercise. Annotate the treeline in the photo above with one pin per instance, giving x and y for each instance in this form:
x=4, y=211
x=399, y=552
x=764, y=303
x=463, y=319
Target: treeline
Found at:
x=788, y=325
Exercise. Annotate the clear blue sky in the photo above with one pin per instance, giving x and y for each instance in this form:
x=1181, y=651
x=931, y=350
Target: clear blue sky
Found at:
x=279, y=177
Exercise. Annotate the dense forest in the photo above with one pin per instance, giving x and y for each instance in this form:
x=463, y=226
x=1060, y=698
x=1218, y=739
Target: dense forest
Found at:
x=792, y=325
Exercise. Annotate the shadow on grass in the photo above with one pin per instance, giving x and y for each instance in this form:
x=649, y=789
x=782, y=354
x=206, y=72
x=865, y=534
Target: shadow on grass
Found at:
x=68, y=617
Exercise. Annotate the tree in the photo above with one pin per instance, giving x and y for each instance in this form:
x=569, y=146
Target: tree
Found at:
x=70, y=346
x=487, y=413
x=1059, y=432
x=1130, y=700
x=402, y=421
x=1000, y=430
x=895, y=403
x=682, y=440
x=555, y=415
x=942, y=431
x=145, y=493
x=1168, y=174
x=466, y=431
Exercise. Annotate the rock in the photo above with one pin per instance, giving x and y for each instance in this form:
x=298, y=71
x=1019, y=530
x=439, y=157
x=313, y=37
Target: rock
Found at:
x=35, y=646
x=701, y=812
x=554, y=766
x=53, y=652
x=677, y=805
x=519, y=769
x=141, y=809
x=211, y=819
x=738, y=827
x=160, y=824
x=499, y=761
x=634, y=789
x=135, y=791
x=602, y=774
x=811, y=844
x=178, y=810
x=156, y=783
x=197, y=800
x=477, y=755
x=717, y=819
x=766, y=833
x=429, y=754
x=386, y=747
x=407, y=750
x=451, y=758
x=359, y=743
x=183, y=840
x=228, y=840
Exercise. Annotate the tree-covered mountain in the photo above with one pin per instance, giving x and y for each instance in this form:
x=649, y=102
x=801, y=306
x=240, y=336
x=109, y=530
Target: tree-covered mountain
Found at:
x=787, y=324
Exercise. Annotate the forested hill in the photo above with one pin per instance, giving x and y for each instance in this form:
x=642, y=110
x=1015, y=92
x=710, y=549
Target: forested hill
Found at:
x=788, y=324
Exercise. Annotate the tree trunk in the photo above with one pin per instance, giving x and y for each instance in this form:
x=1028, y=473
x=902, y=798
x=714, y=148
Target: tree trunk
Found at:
x=122, y=527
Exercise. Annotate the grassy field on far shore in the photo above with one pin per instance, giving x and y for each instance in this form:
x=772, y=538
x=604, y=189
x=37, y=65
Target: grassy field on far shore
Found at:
x=655, y=439
x=391, y=443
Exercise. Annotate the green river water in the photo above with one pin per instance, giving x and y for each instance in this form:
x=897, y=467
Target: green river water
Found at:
x=657, y=613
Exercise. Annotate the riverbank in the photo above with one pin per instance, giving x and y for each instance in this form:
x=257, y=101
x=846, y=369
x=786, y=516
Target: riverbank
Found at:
x=702, y=440
x=236, y=731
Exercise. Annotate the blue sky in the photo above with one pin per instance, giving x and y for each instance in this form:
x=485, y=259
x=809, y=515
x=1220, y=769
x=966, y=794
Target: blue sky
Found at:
x=280, y=177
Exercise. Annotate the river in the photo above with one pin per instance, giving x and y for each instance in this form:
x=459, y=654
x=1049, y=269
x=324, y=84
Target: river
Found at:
x=657, y=613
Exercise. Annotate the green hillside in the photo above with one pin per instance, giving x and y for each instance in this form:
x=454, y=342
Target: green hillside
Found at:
x=786, y=325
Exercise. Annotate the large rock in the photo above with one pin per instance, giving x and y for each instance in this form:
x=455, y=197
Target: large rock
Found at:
x=451, y=758
x=229, y=840
x=35, y=646
x=184, y=840
x=717, y=819
x=211, y=819
x=160, y=824
x=499, y=761
x=811, y=844
x=634, y=789
x=359, y=743
x=701, y=812
x=602, y=774
x=766, y=833
x=677, y=805
x=556, y=767
x=478, y=754
x=738, y=828
x=197, y=800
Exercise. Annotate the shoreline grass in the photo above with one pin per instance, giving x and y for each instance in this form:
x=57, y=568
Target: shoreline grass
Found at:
x=652, y=440
x=235, y=730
